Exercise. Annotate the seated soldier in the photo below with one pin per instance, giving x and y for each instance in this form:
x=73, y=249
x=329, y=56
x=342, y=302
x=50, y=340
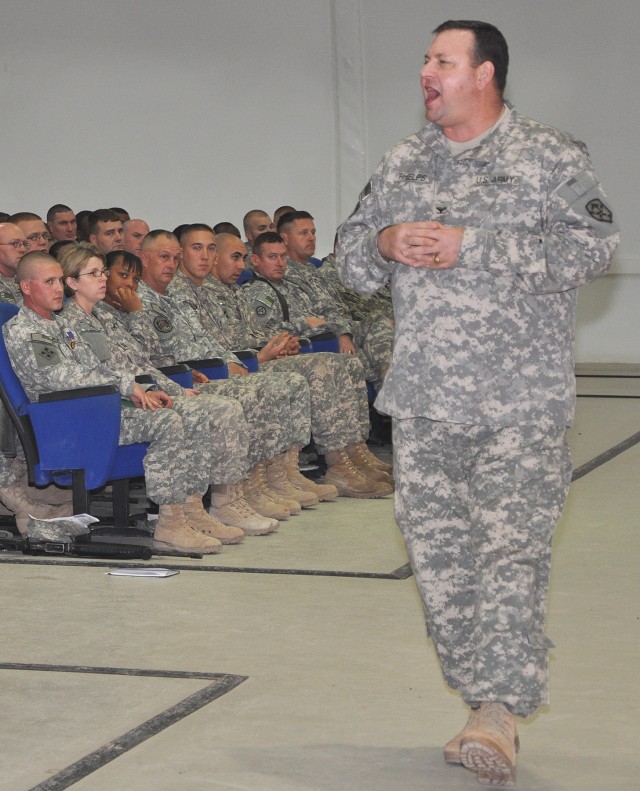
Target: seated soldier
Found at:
x=221, y=419
x=47, y=356
x=104, y=229
x=61, y=222
x=13, y=245
x=278, y=418
x=371, y=339
x=358, y=306
x=33, y=228
x=279, y=290
x=133, y=232
x=254, y=223
x=339, y=410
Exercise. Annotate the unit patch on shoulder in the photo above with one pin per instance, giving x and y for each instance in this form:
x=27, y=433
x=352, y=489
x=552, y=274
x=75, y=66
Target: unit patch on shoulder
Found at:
x=599, y=211
x=261, y=310
x=162, y=324
x=45, y=350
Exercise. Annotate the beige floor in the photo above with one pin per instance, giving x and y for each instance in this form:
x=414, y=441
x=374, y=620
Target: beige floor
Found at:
x=341, y=688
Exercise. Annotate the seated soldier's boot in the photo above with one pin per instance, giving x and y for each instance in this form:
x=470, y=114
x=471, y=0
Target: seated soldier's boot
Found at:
x=48, y=495
x=278, y=482
x=293, y=506
x=322, y=491
x=374, y=461
x=259, y=501
x=16, y=500
x=203, y=522
x=349, y=480
x=362, y=457
x=488, y=746
x=229, y=507
x=173, y=532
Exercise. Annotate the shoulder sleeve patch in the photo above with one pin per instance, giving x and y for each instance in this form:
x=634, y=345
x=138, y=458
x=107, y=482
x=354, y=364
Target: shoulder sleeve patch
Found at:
x=45, y=351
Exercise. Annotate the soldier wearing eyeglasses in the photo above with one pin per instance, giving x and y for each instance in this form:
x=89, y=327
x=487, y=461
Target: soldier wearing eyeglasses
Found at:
x=34, y=229
x=13, y=245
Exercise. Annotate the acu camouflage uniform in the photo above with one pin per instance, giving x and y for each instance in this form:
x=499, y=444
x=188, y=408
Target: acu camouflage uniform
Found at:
x=277, y=412
x=10, y=290
x=219, y=421
x=305, y=295
x=358, y=306
x=481, y=387
x=339, y=409
x=48, y=356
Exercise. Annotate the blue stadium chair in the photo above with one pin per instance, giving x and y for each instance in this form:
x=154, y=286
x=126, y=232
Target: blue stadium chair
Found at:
x=180, y=374
x=245, y=275
x=70, y=437
x=324, y=342
x=212, y=368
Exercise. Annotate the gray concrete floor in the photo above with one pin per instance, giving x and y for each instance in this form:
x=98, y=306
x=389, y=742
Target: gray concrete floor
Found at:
x=317, y=675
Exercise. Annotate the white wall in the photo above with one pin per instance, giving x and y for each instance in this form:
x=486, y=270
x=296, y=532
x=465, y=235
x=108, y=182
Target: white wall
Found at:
x=199, y=111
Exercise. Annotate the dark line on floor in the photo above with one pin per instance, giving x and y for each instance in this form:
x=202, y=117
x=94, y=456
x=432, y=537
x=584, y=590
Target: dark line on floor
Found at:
x=606, y=456
x=113, y=671
x=29, y=561
x=222, y=683
x=604, y=395
x=607, y=376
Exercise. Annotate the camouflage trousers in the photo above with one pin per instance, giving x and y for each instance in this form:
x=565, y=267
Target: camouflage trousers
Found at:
x=9, y=474
x=337, y=404
x=223, y=434
x=477, y=506
x=373, y=339
x=173, y=467
x=276, y=408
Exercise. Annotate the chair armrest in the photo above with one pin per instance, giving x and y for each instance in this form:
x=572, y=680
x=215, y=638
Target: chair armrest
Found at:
x=213, y=368
x=79, y=392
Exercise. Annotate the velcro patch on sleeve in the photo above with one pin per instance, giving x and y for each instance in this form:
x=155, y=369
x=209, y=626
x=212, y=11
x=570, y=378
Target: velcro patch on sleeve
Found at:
x=45, y=351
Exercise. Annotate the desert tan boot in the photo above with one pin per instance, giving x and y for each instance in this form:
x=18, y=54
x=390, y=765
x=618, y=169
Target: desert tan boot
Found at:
x=229, y=506
x=278, y=482
x=351, y=481
x=452, y=747
x=203, y=522
x=322, y=491
x=173, y=532
x=16, y=500
x=488, y=746
x=259, y=500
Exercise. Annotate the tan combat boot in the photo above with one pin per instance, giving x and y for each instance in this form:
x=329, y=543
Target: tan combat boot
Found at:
x=293, y=506
x=349, y=480
x=322, y=491
x=452, y=747
x=371, y=458
x=16, y=500
x=173, y=532
x=278, y=482
x=228, y=505
x=204, y=523
x=489, y=744
x=361, y=460
x=260, y=501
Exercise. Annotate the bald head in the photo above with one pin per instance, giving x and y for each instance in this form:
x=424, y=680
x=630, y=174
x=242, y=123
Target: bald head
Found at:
x=31, y=263
x=133, y=232
x=230, y=259
x=256, y=222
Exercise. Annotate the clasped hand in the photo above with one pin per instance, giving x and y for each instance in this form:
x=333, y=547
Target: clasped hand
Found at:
x=427, y=245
